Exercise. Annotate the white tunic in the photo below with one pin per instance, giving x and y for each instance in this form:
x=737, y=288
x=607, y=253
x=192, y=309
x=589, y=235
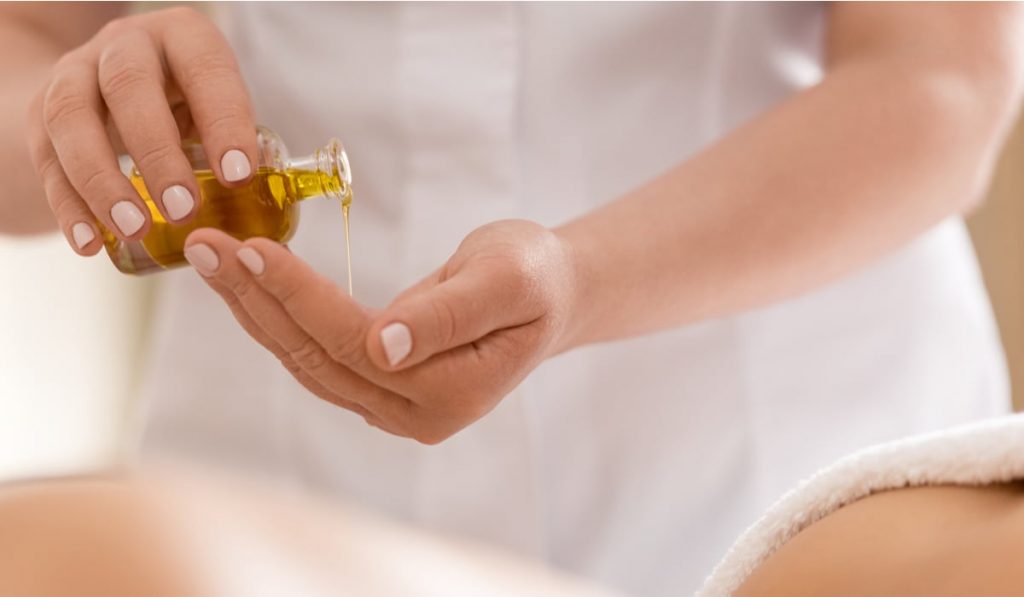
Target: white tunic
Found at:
x=635, y=462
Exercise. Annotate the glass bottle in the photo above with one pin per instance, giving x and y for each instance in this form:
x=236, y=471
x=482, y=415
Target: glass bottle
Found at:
x=264, y=207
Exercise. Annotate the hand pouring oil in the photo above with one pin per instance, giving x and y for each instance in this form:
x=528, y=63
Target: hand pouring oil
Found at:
x=266, y=206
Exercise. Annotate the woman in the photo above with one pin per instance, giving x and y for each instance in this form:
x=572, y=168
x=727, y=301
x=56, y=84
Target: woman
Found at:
x=795, y=239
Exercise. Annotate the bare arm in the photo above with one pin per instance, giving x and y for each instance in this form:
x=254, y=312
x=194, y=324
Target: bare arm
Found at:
x=31, y=41
x=901, y=133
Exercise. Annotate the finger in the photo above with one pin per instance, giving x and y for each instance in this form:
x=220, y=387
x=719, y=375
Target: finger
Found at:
x=72, y=214
x=131, y=80
x=313, y=302
x=72, y=110
x=270, y=317
x=260, y=335
x=462, y=309
x=204, y=68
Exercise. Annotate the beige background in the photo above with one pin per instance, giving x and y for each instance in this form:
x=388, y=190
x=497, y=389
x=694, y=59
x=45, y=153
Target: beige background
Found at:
x=998, y=232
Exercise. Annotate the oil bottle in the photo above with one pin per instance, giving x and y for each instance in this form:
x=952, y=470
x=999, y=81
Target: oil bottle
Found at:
x=264, y=207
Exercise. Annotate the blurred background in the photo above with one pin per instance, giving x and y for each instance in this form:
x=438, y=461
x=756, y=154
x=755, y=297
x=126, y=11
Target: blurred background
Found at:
x=997, y=229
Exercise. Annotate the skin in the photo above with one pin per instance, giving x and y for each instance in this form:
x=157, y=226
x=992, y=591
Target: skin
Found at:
x=123, y=536
x=901, y=133
x=189, y=535
x=87, y=537
x=138, y=85
x=942, y=541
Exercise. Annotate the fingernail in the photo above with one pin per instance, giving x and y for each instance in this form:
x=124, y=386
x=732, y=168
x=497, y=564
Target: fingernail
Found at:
x=83, y=234
x=203, y=258
x=178, y=201
x=235, y=166
x=397, y=341
x=129, y=219
x=251, y=259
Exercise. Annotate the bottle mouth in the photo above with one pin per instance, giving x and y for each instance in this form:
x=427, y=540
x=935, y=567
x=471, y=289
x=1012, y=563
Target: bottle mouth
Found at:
x=333, y=161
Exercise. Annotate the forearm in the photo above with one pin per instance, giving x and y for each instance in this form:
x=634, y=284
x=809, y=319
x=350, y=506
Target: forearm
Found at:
x=830, y=180
x=23, y=208
x=29, y=46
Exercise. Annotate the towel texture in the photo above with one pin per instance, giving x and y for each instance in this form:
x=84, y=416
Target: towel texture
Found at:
x=991, y=451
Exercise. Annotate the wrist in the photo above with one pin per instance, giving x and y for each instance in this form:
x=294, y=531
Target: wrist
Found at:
x=580, y=296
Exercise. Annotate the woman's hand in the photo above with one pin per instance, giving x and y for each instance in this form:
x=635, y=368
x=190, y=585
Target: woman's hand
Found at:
x=141, y=84
x=439, y=357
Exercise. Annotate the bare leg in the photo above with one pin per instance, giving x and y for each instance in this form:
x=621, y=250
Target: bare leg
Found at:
x=934, y=541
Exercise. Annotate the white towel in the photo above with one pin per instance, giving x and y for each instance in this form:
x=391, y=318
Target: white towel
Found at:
x=982, y=453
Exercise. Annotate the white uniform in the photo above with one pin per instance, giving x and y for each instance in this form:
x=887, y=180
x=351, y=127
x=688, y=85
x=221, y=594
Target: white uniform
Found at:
x=635, y=462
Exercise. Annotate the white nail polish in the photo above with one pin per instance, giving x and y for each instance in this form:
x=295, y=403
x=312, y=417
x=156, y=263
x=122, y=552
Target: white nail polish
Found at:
x=129, y=219
x=178, y=201
x=203, y=258
x=235, y=166
x=82, y=234
x=251, y=259
x=397, y=341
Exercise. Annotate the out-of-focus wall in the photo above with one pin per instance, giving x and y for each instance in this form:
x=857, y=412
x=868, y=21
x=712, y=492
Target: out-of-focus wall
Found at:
x=998, y=232
x=69, y=331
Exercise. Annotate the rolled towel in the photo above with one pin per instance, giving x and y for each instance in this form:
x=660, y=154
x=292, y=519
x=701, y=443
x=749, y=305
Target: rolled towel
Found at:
x=991, y=451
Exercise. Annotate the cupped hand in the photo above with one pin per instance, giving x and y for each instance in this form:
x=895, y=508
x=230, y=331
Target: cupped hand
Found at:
x=441, y=356
x=140, y=84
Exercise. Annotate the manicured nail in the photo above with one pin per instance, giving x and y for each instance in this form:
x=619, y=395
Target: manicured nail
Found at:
x=251, y=259
x=178, y=202
x=203, y=258
x=235, y=166
x=83, y=234
x=397, y=341
x=129, y=219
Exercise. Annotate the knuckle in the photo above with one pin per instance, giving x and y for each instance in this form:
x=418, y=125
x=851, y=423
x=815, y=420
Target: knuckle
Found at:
x=236, y=308
x=62, y=104
x=63, y=206
x=229, y=119
x=348, y=349
x=242, y=287
x=444, y=322
x=39, y=148
x=156, y=155
x=309, y=355
x=98, y=184
x=209, y=67
x=47, y=165
x=119, y=77
x=290, y=365
x=290, y=291
x=520, y=276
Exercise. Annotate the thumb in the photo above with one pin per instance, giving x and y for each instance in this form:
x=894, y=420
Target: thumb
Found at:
x=460, y=310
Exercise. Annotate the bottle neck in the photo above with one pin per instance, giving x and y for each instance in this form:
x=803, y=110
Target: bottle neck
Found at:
x=324, y=173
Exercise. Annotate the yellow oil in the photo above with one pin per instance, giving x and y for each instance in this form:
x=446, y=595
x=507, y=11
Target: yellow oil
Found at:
x=264, y=207
x=348, y=243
